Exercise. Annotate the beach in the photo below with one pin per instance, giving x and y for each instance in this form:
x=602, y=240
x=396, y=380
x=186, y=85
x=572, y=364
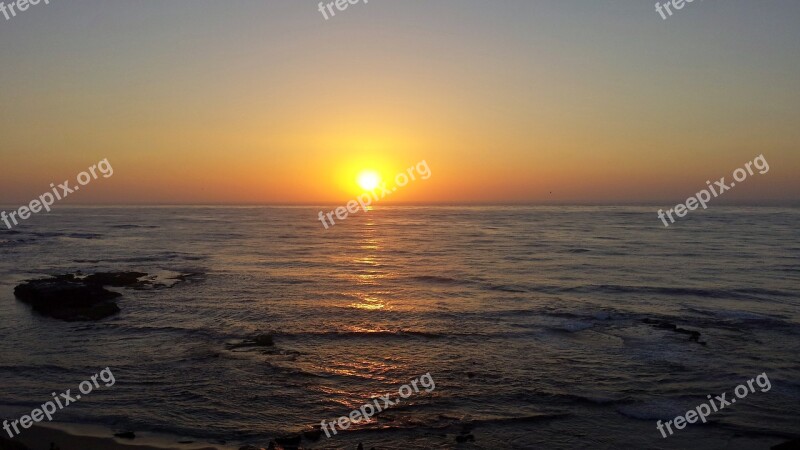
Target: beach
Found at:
x=85, y=437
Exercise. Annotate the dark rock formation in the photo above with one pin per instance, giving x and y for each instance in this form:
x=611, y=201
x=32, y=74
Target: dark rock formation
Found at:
x=8, y=444
x=465, y=438
x=313, y=435
x=664, y=325
x=115, y=279
x=261, y=340
x=63, y=299
x=289, y=442
x=191, y=276
x=126, y=435
x=75, y=298
x=794, y=444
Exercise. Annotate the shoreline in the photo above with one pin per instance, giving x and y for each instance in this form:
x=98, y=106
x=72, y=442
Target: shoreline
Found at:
x=95, y=437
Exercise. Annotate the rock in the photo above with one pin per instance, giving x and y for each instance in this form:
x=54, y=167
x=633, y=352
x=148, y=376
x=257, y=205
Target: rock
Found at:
x=794, y=444
x=66, y=293
x=261, y=340
x=77, y=298
x=8, y=444
x=191, y=276
x=115, y=279
x=65, y=299
x=313, y=435
x=126, y=435
x=664, y=325
x=289, y=441
x=251, y=447
x=465, y=438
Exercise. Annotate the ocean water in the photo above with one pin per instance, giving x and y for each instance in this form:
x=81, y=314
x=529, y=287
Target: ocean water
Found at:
x=529, y=319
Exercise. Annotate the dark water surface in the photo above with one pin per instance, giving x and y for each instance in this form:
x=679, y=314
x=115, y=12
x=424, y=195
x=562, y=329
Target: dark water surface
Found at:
x=529, y=319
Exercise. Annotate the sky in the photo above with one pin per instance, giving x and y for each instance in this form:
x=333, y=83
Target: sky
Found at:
x=515, y=101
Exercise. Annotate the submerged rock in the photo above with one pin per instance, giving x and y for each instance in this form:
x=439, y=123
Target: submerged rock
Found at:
x=465, y=438
x=260, y=340
x=126, y=435
x=115, y=279
x=190, y=276
x=664, y=325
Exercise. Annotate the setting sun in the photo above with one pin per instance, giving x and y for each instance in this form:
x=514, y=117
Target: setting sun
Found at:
x=368, y=180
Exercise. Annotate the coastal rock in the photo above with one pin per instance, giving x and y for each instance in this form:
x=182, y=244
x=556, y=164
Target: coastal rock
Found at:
x=68, y=299
x=465, y=438
x=313, y=435
x=76, y=297
x=263, y=340
x=115, y=279
x=126, y=435
x=794, y=444
x=191, y=277
x=665, y=325
x=8, y=444
x=260, y=340
x=289, y=442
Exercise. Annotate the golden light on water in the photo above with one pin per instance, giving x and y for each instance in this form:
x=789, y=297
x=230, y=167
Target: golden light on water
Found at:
x=369, y=303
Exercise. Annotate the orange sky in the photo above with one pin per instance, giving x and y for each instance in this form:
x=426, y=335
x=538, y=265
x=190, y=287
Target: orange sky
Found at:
x=270, y=103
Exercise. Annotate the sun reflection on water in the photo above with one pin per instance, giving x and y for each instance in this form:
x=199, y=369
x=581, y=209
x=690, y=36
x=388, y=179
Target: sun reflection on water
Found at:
x=369, y=303
x=366, y=282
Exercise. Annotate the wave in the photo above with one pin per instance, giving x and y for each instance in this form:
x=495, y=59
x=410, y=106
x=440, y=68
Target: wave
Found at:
x=585, y=399
x=662, y=409
x=742, y=293
x=166, y=256
x=128, y=227
x=34, y=369
x=737, y=293
x=516, y=289
x=730, y=318
x=361, y=334
x=438, y=280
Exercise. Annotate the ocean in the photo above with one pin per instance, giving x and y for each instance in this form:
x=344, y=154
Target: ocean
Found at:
x=544, y=327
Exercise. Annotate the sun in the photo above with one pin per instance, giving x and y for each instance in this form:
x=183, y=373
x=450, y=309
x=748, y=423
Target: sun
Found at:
x=368, y=180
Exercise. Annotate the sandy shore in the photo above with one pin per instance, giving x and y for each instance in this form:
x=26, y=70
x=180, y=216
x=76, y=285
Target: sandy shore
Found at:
x=87, y=437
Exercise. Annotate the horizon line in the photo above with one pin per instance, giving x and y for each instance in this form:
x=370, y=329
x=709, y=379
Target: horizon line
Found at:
x=766, y=203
